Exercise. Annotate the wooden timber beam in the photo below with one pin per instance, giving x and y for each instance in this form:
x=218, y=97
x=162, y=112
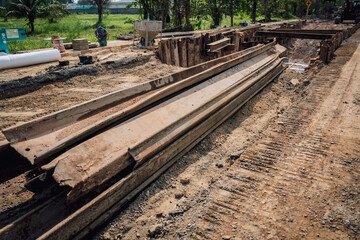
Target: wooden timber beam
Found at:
x=219, y=44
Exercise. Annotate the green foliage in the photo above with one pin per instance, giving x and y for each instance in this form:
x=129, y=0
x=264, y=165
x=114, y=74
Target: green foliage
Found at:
x=4, y=13
x=129, y=20
x=72, y=26
x=190, y=14
x=53, y=11
x=100, y=4
x=33, y=9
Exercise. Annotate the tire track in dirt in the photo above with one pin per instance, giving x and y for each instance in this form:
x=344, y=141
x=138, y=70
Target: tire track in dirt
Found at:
x=286, y=173
x=292, y=174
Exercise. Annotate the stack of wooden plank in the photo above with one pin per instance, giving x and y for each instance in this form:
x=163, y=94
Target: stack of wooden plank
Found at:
x=188, y=51
x=80, y=44
x=218, y=45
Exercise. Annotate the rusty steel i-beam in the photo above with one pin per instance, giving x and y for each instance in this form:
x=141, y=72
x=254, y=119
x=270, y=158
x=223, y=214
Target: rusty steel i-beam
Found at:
x=294, y=34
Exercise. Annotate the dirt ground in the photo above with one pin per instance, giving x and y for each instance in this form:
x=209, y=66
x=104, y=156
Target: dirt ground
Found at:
x=302, y=50
x=283, y=167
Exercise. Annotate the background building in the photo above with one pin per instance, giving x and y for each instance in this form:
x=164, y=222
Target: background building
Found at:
x=115, y=7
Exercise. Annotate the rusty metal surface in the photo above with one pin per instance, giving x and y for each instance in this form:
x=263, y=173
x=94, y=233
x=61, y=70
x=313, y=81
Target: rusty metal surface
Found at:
x=294, y=34
x=33, y=147
x=40, y=138
x=100, y=209
x=210, y=102
x=101, y=157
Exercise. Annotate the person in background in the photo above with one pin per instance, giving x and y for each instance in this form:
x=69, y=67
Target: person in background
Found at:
x=102, y=36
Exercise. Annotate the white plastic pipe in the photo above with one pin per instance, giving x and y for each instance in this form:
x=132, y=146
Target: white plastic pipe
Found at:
x=27, y=59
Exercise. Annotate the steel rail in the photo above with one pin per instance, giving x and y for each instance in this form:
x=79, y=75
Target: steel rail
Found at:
x=64, y=128
x=83, y=220
x=98, y=159
x=110, y=201
x=146, y=149
x=294, y=34
x=320, y=31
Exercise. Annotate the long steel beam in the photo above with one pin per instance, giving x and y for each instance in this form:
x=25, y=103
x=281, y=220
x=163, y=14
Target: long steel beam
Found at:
x=318, y=31
x=219, y=107
x=294, y=34
x=61, y=129
x=110, y=201
x=106, y=154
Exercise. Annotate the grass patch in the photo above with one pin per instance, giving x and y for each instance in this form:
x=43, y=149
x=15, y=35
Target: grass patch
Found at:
x=84, y=26
x=71, y=27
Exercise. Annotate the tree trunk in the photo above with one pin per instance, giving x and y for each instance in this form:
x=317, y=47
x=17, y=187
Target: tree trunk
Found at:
x=216, y=17
x=31, y=23
x=294, y=6
x=254, y=10
x=187, y=15
x=287, y=13
x=32, y=27
x=177, y=12
x=317, y=8
x=100, y=13
x=267, y=11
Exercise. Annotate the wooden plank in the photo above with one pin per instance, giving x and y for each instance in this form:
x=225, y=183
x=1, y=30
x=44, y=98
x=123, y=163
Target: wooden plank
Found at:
x=230, y=47
x=201, y=49
x=218, y=44
x=190, y=52
x=167, y=52
x=197, y=50
x=171, y=44
x=218, y=50
x=160, y=51
x=323, y=51
x=228, y=33
x=237, y=41
x=176, y=52
x=206, y=41
x=183, y=50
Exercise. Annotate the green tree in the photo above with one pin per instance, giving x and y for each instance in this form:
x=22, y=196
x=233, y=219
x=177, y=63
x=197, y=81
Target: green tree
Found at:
x=4, y=13
x=232, y=7
x=178, y=12
x=53, y=10
x=101, y=4
x=253, y=13
x=154, y=9
x=30, y=9
x=216, y=10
